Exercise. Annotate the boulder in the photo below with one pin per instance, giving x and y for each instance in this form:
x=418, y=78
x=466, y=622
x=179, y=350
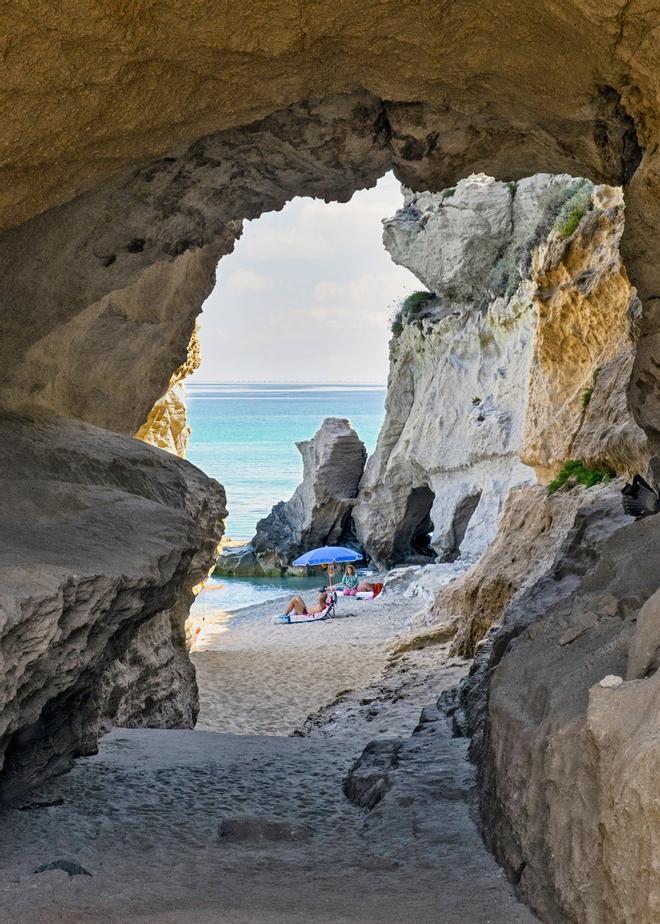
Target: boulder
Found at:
x=103, y=539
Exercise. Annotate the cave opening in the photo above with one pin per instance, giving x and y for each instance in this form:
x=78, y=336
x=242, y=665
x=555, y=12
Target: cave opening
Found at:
x=463, y=513
x=412, y=541
x=295, y=331
x=100, y=349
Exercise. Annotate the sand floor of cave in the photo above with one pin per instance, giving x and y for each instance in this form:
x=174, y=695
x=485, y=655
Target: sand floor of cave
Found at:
x=143, y=817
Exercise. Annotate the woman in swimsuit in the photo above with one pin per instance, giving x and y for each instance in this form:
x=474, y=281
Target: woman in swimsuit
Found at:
x=297, y=605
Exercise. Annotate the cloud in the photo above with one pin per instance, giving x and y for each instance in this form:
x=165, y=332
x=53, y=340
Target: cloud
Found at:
x=246, y=282
x=307, y=294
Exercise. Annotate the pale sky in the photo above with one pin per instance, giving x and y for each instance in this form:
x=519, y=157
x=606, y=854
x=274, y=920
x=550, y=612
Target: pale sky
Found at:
x=307, y=294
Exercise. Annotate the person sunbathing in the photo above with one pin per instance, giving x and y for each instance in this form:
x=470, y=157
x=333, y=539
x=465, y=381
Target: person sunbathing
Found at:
x=369, y=587
x=298, y=606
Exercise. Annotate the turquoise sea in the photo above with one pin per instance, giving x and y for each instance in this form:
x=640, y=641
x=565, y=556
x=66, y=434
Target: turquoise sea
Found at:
x=244, y=434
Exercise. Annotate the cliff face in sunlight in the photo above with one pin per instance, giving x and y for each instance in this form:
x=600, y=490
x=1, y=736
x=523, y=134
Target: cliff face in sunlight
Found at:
x=167, y=423
x=518, y=358
x=585, y=343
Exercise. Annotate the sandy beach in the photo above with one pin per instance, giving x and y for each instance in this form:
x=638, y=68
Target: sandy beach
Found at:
x=258, y=678
x=241, y=822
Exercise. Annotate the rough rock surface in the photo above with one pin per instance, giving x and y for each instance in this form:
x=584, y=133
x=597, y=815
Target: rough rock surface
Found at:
x=568, y=791
x=447, y=452
x=162, y=219
x=584, y=348
x=496, y=366
x=167, y=423
x=102, y=540
x=319, y=511
x=532, y=531
x=134, y=135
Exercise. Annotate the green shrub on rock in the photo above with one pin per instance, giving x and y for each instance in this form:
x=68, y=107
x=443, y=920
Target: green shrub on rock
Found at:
x=574, y=209
x=411, y=308
x=582, y=474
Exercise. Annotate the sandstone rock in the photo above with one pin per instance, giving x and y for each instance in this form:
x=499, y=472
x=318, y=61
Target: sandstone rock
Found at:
x=566, y=784
x=584, y=349
x=239, y=560
x=319, y=511
x=370, y=777
x=163, y=150
x=150, y=217
x=103, y=539
x=447, y=452
x=524, y=355
x=167, y=423
x=534, y=530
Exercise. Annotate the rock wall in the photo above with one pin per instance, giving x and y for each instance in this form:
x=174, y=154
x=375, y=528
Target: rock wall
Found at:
x=134, y=137
x=527, y=322
x=167, y=423
x=562, y=707
x=318, y=513
x=145, y=93
x=103, y=539
x=584, y=348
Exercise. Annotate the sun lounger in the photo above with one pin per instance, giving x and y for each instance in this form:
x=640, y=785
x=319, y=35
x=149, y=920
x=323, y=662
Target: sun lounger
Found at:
x=307, y=617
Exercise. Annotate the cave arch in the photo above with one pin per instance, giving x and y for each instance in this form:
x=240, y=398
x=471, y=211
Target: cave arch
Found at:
x=119, y=273
x=463, y=513
x=412, y=540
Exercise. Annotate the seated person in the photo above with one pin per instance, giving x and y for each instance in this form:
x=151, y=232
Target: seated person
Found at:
x=349, y=582
x=297, y=605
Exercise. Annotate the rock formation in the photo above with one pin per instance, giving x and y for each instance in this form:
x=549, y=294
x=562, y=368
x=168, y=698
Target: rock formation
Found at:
x=591, y=115
x=167, y=423
x=319, y=511
x=584, y=346
x=562, y=707
x=523, y=354
x=103, y=539
x=135, y=139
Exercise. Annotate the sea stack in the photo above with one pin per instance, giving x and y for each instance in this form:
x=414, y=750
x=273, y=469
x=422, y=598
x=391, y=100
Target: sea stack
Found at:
x=318, y=513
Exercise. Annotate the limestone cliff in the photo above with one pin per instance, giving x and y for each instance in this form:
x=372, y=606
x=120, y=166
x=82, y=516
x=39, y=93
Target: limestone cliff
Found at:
x=167, y=423
x=135, y=136
x=522, y=353
x=584, y=347
x=103, y=539
x=319, y=511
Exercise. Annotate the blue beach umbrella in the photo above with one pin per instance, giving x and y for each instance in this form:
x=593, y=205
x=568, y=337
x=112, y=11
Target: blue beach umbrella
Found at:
x=326, y=556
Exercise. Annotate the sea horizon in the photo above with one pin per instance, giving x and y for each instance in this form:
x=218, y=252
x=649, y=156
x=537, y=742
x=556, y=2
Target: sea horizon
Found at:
x=244, y=434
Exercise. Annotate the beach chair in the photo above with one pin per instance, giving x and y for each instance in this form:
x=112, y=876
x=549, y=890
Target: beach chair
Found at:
x=327, y=613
